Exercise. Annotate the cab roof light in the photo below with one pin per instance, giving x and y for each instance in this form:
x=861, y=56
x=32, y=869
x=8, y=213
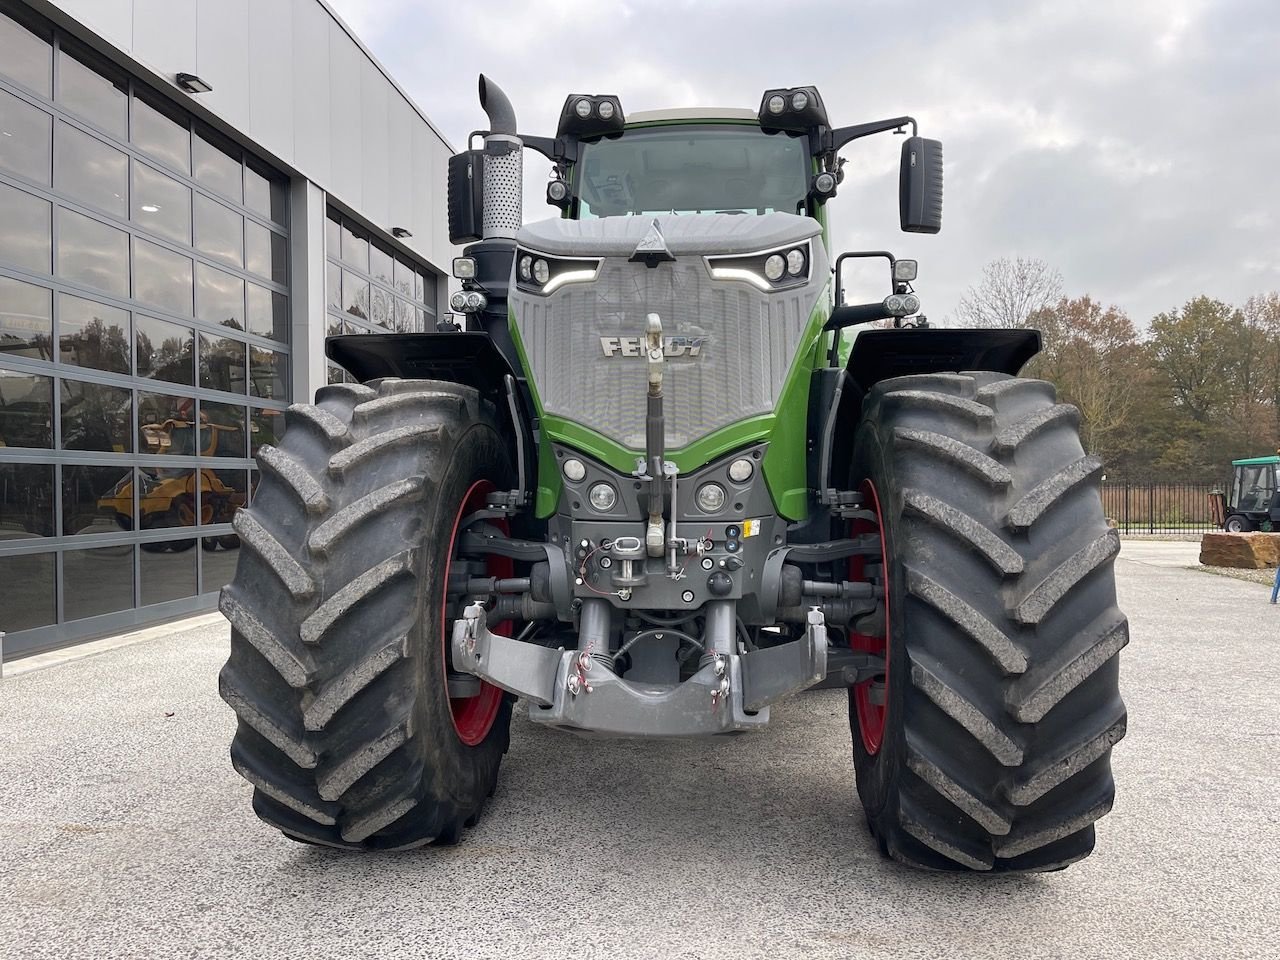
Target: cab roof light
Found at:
x=792, y=110
x=590, y=116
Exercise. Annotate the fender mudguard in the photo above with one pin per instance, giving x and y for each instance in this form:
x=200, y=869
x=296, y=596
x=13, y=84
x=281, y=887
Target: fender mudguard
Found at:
x=460, y=357
x=883, y=354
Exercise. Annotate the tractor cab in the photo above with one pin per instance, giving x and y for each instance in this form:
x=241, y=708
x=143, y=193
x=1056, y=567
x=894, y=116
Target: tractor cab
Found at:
x=1255, y=495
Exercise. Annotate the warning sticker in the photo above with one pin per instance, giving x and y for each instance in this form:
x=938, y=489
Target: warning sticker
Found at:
x=754, y=527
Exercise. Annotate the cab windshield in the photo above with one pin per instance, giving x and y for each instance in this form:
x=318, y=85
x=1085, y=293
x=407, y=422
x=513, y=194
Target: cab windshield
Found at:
x=692, y=168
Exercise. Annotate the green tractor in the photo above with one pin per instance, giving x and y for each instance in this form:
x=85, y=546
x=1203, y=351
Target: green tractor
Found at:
x=664, y=478
x=1255, y=495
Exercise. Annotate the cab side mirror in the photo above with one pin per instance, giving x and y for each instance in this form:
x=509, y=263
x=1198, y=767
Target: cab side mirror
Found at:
x=920, y=186
x=466, y=196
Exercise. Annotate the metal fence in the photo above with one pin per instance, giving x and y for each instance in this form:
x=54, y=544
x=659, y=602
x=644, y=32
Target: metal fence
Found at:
x=1159, y=507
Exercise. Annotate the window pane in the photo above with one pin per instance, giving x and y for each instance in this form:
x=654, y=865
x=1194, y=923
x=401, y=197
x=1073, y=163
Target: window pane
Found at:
x=266, y=252
x=265, y=426
x=26, y=144
x=96, y=417
x=24, y=229
x=222, y=363
x=219, y=297
x=27, y=57
x=99, y=99
x=222, y=493
x=218, y=231
x=161, y=277
x=355, y=248
x=96, y=499
x=164, y=426
x=167, y=575
x=355, y=295
x=268, y=313
x=405, y=316
x=26, y=503
x=26, y=320
x=92, y=253
x=403, y=278
x=92, y=334
x=332, y=236
x=90, y=170
x=166, y=351
x=335, y=326
x=419, y=286
x=268, y=371
x=333, y=285
x=217, y=570
x=26, y=410
x=29, y=581
x=264, y=194
x=161, y=204
x=216, y=169
x=335, y=374
x=97, y=581
x=222, y=430
x=380, y=308
x=380, y=264
x=167, y=496
x=165, y=138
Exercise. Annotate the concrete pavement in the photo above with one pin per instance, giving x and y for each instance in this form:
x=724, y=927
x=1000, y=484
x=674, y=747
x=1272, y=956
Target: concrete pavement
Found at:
x=125, y=833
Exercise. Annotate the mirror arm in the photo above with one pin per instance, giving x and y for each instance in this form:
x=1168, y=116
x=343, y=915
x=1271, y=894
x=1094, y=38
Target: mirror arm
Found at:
x=847, y=316
x=833, y=140
x=557, y=150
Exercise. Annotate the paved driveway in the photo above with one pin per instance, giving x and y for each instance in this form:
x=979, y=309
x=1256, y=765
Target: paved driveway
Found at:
x=124, y=832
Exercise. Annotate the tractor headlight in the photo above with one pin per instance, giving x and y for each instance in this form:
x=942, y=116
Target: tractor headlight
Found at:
x=476, y=301
x=894, y=306
x=574, y=470
x=777, y=104
x=526, y=268
x=557, y=192
x=603, y=497
x=774, y=266
x=740, y=470
x=910, y=304
x=582, y=108
x=799, y=100
x=458, y=301
x=710, y=498
x=795, y=262
x=541, y=271
x=767, y=270
x=605, y=109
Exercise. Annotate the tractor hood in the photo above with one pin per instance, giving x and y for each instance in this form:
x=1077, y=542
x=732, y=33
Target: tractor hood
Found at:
x=687, y=235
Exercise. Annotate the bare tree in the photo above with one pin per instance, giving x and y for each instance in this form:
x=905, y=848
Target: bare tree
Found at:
x=1009, y=292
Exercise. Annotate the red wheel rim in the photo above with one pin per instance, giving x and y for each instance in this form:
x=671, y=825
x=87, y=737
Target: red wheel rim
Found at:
x=872, y=715
x=472, y=716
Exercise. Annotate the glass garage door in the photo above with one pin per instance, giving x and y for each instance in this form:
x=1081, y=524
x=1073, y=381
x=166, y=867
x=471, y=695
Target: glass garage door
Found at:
x=143, y=344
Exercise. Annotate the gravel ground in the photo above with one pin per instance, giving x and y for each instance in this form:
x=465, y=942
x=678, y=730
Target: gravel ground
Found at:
x=124, y=832
x=1266, y=576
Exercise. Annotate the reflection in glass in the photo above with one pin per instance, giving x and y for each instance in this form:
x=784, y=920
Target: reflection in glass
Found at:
x=336, y=374
x=92, y=334
x=218, y=231
x=26, y=410
x=96, y=499
x=26, y=502
x=405, y=316
x=222, y=430
x=99, y=99
x=219, y=297
x=419, y=286
x=266, y=252
x=335, y=326
x=222, y=493
x=26, y=143
x=222, y=363
x=264, y=194
x=333, y=285
x=167, y=495
x=403, y=278
x=166, y=574
x=218, y=570
x=25, y=230
x=161, y=277
x=165, y=424
x=380, y=264
x=265, y=426
x=97, y=581
x=355, y=295
x=90, y=171
x=92, y=253
x=268, y=313
x=28, y=579
x=27, y=57
x=161, y=204
x=165, y=138
x=96, y=416
x=166, y=351
x=355, y=248
x=381, y=310
x=332, y=236
x=267, y=372
x=26, y=320
x=216, y=169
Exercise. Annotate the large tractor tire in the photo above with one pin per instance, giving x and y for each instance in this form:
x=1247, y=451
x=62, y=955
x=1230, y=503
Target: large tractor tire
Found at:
x=986, y=746
x=339, y=670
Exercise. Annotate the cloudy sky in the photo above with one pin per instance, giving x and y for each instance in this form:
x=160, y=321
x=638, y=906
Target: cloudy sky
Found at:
x=1132, y=144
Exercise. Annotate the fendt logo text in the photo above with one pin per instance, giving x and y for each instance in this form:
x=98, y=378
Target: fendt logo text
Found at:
x=634, y=346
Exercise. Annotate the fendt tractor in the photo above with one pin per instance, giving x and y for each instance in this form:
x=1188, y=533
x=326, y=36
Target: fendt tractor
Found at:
x=659, y=478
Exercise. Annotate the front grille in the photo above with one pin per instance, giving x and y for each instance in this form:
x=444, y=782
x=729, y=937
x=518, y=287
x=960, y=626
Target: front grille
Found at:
x=751, y=340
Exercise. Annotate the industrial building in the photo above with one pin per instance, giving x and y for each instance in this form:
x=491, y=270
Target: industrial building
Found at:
x=193, y=194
